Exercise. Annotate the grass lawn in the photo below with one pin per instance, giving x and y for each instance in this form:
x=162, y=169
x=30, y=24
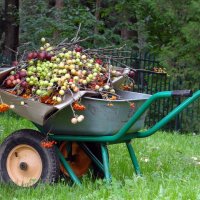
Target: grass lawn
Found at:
x=170, y=164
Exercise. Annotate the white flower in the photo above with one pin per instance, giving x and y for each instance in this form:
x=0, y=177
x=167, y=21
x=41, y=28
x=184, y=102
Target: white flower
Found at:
x=145, y=159
x=194, y=158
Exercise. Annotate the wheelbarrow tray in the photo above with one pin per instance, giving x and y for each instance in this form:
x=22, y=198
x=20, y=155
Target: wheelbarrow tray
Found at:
x=36, y=111
x=102, y=117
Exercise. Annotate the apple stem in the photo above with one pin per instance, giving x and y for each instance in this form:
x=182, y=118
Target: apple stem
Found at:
x=74, y=113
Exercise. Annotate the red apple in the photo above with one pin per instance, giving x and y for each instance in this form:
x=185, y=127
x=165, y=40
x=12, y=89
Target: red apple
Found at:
x=15, y=63
x=99, y=61
x=30, y=56
x=14, y=82
x=48, y=56
x=16, y=76
x=12, y=78
x=42, y=55
x=24, y=84
x=22, y=74
x=8, y=82
x=131, y=74
x=79, y=49
x=35, y=55
x=18, y=80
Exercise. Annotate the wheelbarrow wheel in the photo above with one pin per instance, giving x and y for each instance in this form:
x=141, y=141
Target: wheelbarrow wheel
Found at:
x=24, y=162
x=79, y=161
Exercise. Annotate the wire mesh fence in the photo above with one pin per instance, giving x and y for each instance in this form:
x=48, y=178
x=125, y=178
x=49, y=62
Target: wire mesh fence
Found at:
x=148, y=81
x=186, y=121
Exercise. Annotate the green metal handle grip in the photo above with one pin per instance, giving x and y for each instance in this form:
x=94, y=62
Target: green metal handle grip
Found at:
x=182, y=93
x=170, y=116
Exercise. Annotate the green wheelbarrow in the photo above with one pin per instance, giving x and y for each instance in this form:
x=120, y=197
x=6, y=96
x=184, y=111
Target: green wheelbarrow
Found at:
x=77, y=147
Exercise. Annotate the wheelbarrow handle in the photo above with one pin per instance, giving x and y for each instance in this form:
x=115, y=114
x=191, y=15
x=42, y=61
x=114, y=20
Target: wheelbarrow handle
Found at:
x=170, y=115
x=182, y=93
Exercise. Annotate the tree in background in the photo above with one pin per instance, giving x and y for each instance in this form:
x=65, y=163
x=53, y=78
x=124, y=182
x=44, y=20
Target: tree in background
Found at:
x=49, y=20
x=173, y=29
x=121, y=18
x=170, y=29
x=9, y=33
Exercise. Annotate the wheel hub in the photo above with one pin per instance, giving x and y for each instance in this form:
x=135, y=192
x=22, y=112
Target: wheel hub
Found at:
x=23, y=166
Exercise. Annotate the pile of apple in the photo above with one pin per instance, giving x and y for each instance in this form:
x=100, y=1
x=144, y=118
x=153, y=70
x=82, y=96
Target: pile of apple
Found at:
x=51, y=72
x=16, y=78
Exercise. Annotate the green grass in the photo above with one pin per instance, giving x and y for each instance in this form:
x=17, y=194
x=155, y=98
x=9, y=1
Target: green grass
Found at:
x=170, y=163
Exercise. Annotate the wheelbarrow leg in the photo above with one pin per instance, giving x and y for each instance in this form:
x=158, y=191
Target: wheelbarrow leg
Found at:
x=104, y=151
x=133, y=158
x=68, y=168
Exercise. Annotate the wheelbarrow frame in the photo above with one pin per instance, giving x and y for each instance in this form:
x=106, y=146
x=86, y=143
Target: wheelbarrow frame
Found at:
x=121, y=136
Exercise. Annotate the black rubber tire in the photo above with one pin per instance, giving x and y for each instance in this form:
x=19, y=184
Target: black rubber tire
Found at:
x=50, y=162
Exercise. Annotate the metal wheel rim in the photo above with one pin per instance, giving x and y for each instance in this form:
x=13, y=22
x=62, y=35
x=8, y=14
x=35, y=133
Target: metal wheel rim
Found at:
x=24, y=165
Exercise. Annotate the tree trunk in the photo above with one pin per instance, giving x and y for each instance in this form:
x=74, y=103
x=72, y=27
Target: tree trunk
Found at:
x=59, y=4
x=11, y=28
x=1, y=25
x=56, y=3
x=97, y=16
x=2, y=34
x=130, y=34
